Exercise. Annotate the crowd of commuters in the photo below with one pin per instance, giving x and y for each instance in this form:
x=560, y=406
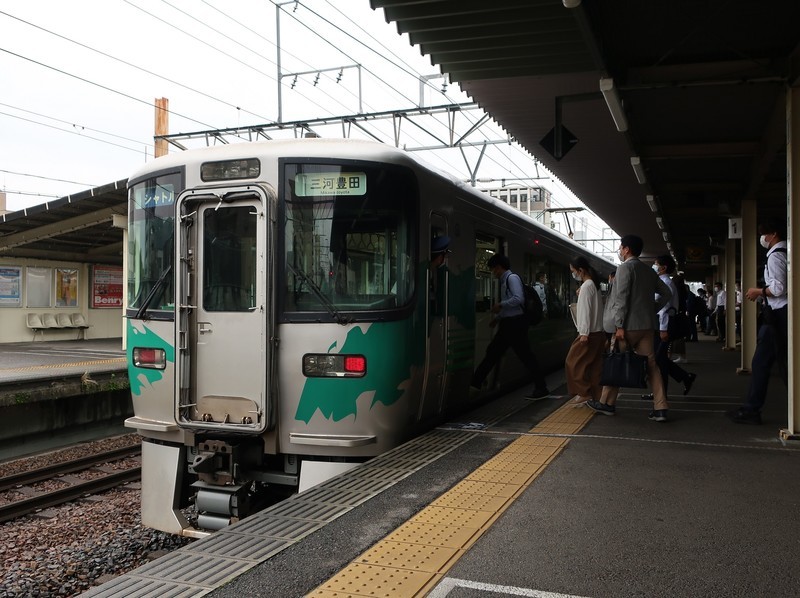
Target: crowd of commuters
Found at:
x=652, y=311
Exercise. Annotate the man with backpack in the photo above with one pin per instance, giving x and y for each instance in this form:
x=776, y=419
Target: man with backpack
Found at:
x=512, y=332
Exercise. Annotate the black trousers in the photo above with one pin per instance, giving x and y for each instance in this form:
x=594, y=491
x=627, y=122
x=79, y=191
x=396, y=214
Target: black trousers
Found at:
x=772, y=346
x=667, y=367
x=511, y=333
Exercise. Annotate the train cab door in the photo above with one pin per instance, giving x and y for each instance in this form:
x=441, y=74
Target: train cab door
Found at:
x=222, y=317
x=437, y=311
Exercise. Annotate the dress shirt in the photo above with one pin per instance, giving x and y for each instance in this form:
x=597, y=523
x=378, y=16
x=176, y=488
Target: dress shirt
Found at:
x=775, y=276
x=513, y=296
x=670, y=308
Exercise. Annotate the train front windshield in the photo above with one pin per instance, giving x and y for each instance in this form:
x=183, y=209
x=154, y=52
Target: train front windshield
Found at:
x=348, y=238
x=151, y=216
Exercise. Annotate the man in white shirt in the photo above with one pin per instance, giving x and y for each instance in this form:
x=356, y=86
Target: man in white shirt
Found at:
x=719, y=312
x=773, y=338
x=711, y=304
x=664, y=266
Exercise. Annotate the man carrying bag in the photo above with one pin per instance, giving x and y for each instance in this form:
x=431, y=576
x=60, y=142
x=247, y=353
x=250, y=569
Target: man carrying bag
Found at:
x=630, y=315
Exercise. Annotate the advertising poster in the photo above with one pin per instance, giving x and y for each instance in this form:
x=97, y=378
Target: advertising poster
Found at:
x=66, y=287
x=107, y=287
x=10, y=285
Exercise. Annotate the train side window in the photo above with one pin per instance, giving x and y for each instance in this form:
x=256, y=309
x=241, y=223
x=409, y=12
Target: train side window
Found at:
x=553, y=283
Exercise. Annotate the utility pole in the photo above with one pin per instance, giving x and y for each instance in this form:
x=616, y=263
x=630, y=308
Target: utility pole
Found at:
x=162, y=126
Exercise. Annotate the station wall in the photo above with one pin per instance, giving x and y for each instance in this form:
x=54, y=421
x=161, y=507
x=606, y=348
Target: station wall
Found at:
x=47, y=286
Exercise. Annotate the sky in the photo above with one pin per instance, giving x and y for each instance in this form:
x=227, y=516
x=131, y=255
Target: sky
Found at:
x=78, y=81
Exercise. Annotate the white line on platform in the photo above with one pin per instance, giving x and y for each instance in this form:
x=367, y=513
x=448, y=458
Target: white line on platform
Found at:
x=448, y=584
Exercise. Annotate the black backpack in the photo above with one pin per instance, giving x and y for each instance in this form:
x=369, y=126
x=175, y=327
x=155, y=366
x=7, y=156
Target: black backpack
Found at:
x=532, y=303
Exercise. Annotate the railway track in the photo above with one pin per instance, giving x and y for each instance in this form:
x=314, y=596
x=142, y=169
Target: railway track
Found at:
x=77, y=489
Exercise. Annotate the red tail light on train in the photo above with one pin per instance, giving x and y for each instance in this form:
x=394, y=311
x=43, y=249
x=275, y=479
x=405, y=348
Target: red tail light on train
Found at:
x=154, y=359
x=334, y=366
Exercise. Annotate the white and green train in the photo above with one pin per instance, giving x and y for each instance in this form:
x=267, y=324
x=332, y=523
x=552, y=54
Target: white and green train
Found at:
x=284, y=323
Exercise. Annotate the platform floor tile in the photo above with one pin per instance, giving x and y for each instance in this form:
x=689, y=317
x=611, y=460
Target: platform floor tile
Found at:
x=434, y=539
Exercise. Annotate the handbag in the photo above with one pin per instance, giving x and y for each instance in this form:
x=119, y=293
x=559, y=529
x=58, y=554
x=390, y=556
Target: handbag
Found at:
x=624, y=368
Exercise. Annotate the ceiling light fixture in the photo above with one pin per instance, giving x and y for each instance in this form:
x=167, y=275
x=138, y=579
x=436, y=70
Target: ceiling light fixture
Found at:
x=665, y=235
x=614, y=104
x=660, y=223
x=638, y=169
x=651, y=201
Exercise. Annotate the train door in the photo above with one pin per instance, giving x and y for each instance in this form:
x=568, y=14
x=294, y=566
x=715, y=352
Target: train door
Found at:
x=486, y=294
x=222, y=319
x=438, y=283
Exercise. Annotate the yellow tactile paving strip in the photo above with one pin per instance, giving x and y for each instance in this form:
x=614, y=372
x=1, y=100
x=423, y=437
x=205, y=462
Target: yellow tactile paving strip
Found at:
x=74, y=364
x=412, y=560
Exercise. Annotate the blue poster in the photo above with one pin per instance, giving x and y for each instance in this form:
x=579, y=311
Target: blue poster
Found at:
x=10, y=284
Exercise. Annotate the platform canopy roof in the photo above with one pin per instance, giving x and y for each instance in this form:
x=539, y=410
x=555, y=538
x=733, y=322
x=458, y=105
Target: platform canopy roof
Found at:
x=701, y=85
x=76, y=228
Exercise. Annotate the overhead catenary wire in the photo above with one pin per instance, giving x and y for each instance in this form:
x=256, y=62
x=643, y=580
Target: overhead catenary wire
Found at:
x=269, y=41
x=101, y=86
x=30, y=193
x=46, y=178
x=515, y=147
x=213, y=47
x=228, y=37
x=72, y=132
x=75, y=125
x=509, y=160
x=131, y=65
x=410, y=71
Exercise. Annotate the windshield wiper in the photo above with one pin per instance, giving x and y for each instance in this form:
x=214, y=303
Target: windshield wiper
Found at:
x=152, y=294
x=327, y=303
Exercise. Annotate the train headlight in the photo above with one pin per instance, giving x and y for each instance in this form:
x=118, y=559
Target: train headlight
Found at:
x=317, y=365
x=145, y=357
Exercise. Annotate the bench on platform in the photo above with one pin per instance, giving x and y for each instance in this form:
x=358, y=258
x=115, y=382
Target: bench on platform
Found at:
x=60, y=321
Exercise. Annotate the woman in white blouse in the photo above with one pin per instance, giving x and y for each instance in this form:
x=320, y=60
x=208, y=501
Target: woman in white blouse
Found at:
x=584, y=362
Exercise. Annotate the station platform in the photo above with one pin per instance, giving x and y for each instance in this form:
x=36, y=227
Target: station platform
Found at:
x=523, y=498
x=54, y=393
x=44, y=360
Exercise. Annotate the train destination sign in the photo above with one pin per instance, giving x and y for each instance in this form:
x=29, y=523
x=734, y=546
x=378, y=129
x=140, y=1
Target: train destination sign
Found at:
x=330, y=183
x=150, y=197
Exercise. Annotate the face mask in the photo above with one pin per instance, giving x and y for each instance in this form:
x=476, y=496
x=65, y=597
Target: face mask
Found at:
x=576, y=276
x=763, y=241
x=621, y=257
x=656, y=268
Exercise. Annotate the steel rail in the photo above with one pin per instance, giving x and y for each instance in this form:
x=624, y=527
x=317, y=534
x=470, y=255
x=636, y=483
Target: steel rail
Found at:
x=63, y=495
x=45, y=473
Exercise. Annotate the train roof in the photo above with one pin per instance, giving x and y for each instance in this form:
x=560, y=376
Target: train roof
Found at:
x=306, y=147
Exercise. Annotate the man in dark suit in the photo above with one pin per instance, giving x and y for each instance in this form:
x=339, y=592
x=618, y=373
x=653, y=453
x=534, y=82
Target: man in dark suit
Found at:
x=630, y=315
